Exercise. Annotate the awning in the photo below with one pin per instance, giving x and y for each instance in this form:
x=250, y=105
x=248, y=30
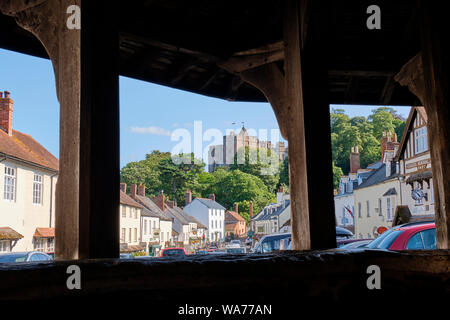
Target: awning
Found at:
x=7, y=233
x=130, y=248
x=44, y=233
x=425, y=175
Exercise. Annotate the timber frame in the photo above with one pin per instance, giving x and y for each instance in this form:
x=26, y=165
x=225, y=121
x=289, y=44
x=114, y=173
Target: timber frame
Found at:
x=286, y=52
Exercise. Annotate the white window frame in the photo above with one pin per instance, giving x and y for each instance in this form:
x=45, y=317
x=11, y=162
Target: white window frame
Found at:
x=37, y=189
x=123, y=235
x=420, y=140
x=39, y=244
x=50, y=244
x=5, y=246
x=10, y=184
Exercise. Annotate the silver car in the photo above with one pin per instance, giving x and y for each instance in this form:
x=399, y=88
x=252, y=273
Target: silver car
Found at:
x=32, y=256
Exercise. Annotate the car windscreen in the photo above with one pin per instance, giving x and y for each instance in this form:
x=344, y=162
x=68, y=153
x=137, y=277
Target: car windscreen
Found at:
x=13, y=258
x=173, y=252
x=385, y=240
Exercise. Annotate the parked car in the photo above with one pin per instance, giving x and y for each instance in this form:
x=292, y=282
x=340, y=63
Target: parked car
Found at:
x=273, y=242
x=248, y=241
x=354, y=243
x=342, y=233
x=126, y=256
x=235, y=243
x=201, y=252
x=410, y=236
x=234, y=250
x=32, y=256
x=173, y=252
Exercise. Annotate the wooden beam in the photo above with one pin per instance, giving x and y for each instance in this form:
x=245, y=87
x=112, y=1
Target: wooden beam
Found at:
x=99, y=131
x=316, y=106
x=300, y=223
x=388, y=91
x=361, y=73
x=436, y=69
x=276, y=46
x=271, y=82
x=240, y=63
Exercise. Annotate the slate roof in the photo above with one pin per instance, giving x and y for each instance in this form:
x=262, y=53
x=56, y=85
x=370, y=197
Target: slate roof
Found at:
x=378, y=176
x=268, y=214
x=210, y=203
x=23, y=147
x=152, y=208
x=127, y=200
x=180, y=216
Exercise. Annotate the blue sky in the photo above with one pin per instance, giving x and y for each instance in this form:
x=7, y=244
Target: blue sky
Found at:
x=149, y=113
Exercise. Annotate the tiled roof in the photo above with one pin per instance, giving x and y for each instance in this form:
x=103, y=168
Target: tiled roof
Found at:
x=177, y=214
x=7, y=233
x=44, y=233
x=210, y=203
x=127, y=200
x=153, y=207
x=23, y=147
x=379, y=176
x=232, y=216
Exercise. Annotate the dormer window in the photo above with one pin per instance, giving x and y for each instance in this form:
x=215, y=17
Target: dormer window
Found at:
x=420, y=140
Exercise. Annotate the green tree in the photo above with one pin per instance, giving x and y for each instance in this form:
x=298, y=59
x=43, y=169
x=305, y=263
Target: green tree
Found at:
x=284, y=173
x=337, y=174
x=262, y=163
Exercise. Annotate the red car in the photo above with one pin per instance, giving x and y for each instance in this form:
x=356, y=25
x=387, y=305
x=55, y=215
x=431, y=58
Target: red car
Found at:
x=173, y=252
x=410, y=236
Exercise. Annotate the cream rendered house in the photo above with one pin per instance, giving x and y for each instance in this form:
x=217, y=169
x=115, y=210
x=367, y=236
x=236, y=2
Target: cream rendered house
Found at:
x=130, y=224
x=377, y=197
x=28, y=176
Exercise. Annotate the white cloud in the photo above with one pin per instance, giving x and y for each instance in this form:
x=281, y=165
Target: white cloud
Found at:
x=151, y=130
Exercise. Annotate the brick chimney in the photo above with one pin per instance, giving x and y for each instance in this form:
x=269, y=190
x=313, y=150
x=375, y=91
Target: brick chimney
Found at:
x=212, y=196
x=6, y=112
x=160, y=200
x=188, y=196
x=388, y=142
x=355, y=163
x=133, y=191
x=141, y=190
x=123, y=187
x=250, y=209
x=236, y=207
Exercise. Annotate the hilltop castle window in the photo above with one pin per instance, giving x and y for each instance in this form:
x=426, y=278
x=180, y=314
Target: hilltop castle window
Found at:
x=9, y=192
x=37, y=189
x=420, y=140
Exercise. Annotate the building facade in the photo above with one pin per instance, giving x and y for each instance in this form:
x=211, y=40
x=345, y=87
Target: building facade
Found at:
x=378, y=196
x=224, y=154
x=28, y=177
x=235, y=224
x=273, y=216
x=415, y=175
x=130, y=224
x=211, y=214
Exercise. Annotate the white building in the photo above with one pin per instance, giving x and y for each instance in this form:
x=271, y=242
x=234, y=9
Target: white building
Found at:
x=416, y=179
x=273, y=216
x=209, y=213
x=378, y=196
x=28, y=176
x=130, y=224
x=156, y=224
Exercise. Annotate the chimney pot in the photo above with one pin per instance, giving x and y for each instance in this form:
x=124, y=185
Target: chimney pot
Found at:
x=212, y=197
x=123, y=187
x=355, y=162
x=236, y=207
x=141, y=190
x=250, y=209
x=6, y=113
x=188, y=196
x=133, y=191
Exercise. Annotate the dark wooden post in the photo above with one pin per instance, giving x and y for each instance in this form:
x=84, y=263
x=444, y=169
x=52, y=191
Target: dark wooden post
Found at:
x=436, y=70
x=317, y=128
x=99, y=131
x=296, y=130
